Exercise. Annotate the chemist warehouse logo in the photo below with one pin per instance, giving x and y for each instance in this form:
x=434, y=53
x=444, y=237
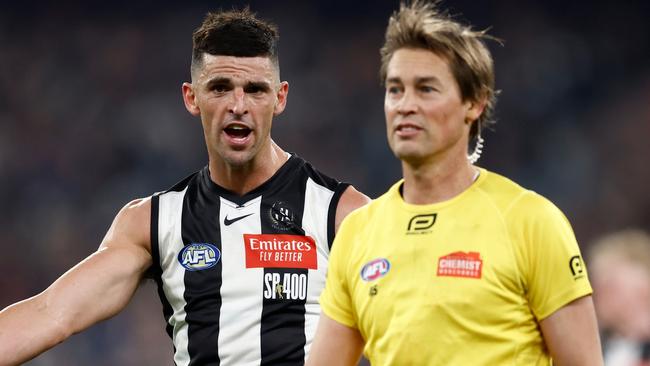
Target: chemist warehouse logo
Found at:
x=199, y=256
x=461, y=264
x=280, y=251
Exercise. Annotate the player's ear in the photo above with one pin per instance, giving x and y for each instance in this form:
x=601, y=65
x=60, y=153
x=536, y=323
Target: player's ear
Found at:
x=189, y=98
x=281, y=96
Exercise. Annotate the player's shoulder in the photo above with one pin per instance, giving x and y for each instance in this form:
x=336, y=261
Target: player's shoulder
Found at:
x=376, y=208
x=131, y=226
x=136, y=208
x=134, y=218
x=301, y=167
x=183, y=183
x=139, y=209
x=351, y=199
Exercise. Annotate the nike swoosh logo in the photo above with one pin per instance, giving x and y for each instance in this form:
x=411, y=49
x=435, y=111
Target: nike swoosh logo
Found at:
x=227, y=221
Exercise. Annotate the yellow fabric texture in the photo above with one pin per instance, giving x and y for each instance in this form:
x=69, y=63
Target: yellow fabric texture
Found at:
x=461, y=282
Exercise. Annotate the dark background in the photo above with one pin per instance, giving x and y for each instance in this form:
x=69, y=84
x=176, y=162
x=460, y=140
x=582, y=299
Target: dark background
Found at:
x=91, y=116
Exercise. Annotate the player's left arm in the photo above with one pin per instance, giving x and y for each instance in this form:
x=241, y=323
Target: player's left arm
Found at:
x=571, y=334
x=351, y=199
x=335, y=344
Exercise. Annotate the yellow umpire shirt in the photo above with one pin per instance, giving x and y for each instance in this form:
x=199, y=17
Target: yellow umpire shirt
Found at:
x=461, y=282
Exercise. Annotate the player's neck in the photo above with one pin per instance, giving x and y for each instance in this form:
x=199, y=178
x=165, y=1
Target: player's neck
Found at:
x=437, y=181
x=245, y=178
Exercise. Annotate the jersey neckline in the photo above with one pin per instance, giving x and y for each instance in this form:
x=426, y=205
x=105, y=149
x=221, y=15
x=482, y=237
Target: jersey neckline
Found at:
x=416, y=208
x=277, y=180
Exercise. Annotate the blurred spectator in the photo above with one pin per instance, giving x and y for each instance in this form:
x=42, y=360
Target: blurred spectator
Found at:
x=620, y=273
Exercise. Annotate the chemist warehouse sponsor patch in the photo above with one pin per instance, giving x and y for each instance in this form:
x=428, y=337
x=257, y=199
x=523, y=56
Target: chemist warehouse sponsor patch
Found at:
x=280, y=251
x=461, y=264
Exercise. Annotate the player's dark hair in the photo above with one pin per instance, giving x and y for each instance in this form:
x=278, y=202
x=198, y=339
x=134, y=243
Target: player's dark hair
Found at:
x=235, y=33
x=420, y=25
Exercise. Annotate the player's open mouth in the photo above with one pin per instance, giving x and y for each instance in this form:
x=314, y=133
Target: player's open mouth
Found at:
x=238, y=133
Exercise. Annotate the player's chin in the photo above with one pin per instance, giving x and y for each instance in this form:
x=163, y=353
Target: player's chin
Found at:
x=238, y=158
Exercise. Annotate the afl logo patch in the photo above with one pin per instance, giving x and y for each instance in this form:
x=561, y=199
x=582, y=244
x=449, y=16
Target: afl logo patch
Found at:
x=375, y=269
x=199, y=256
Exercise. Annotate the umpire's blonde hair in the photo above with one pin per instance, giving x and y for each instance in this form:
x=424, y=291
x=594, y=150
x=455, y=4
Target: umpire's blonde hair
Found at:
x=420, y=25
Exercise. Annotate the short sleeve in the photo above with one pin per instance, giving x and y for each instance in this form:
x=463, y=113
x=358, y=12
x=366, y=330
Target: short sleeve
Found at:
x=549, y=258
x=335, y=300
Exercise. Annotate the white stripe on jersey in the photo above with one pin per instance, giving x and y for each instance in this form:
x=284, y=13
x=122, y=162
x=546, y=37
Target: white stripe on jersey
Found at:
x=170, y=243
x=312, y=221
x=239, y=322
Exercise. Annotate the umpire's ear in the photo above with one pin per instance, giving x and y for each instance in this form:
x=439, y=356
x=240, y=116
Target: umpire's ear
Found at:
x=189, y=98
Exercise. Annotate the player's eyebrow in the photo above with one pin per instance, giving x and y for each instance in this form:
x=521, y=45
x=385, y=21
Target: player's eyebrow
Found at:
x=259, y=85
x=394, y=80
x=220, y=80
x=418, y=79
x=427, y=79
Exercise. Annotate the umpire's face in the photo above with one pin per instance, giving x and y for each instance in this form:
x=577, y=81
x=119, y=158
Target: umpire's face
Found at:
x=236, y=98
x=426, y=119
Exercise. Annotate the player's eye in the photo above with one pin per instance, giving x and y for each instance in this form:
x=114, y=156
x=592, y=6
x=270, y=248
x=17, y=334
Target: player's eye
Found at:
x=256, y=88
x=220, y=88
x=393, y=89
x=253, y=89
x=427, y=89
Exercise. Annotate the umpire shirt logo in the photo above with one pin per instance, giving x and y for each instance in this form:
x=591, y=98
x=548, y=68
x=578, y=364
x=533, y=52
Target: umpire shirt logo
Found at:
x=420, y=224
x=577, y=267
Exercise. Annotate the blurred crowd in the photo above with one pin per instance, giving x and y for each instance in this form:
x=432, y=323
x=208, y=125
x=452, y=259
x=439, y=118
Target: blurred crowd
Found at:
x=620, y=275
x=91, y=116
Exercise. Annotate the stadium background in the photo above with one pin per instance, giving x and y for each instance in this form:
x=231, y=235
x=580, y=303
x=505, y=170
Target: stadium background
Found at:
x=91, y=116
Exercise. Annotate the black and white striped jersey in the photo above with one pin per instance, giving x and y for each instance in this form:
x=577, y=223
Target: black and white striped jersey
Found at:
x=240, y=276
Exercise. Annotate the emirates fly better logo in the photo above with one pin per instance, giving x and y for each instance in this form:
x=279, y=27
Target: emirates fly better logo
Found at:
x=280, y=251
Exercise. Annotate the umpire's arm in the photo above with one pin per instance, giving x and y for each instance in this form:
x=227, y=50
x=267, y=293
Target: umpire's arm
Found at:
x=571, y=334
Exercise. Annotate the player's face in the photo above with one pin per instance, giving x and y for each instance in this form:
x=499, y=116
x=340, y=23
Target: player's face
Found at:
x=425, y=115
x=236, y=98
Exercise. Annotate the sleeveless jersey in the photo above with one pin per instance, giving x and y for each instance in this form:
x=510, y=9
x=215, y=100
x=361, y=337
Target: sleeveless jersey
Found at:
x=239, y=276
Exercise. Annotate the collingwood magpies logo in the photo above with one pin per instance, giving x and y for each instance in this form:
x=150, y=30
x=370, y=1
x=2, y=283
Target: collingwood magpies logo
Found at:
x=282, y=216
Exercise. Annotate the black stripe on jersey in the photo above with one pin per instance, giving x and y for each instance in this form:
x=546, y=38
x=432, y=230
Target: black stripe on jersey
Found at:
x=200, y=224
x=338, y=189
x=156, y=270
x=283, y=318
x=331, y=214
